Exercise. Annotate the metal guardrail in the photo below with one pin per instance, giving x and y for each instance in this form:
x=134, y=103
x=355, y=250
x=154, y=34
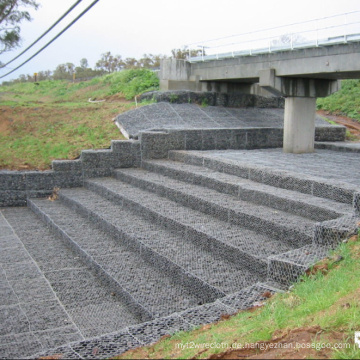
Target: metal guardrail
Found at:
x=338, y=29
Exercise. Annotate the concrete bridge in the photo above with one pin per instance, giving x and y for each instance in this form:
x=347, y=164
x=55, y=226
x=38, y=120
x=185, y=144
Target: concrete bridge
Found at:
x=299, y=74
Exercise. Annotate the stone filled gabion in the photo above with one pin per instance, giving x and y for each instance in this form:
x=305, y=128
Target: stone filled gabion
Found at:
x=146, y=239
x=189, y=116
x=213, y=99
x=357, y=204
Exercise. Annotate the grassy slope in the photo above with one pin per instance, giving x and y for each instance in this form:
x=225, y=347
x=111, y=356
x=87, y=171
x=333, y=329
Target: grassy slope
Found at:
x=54, y=120
x=344, y=102
x=328, y=301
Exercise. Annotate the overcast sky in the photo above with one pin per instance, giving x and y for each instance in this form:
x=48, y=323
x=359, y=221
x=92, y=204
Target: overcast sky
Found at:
x=132, y=28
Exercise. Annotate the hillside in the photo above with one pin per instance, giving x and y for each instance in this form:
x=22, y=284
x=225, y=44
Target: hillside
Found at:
x=344, y=102
x=50, y=120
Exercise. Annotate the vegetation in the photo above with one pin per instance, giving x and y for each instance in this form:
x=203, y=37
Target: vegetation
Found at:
x=184, y=53
x=107, y=64
x=344, y=102
x=53, y=119
x=132, y=82
x=11, y=15
x=327, y=301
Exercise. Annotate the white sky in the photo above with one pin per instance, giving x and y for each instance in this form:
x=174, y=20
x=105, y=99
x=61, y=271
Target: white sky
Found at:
x=132, y=28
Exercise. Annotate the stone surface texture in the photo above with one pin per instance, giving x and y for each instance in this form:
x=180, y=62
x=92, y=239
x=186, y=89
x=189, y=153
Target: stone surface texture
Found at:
x=172, y=115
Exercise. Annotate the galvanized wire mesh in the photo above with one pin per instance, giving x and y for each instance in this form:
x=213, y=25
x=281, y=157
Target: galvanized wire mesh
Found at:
x=151, y=251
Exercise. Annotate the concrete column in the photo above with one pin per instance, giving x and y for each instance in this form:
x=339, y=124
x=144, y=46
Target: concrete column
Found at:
x=299, y=125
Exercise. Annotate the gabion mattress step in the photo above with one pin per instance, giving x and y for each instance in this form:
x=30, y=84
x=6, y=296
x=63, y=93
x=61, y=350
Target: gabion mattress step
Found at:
x=49, y=296
x=192, y=229
x=292, y=229
x=286, y=268
x=305, y=205
x=208, y=271
x=289, y=177
x=110, y=345
x=149, y=291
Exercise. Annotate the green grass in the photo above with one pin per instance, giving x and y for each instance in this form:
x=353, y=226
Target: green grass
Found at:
x=345, y=102
x=128, y=83
x=317, y=300
x=56, y=133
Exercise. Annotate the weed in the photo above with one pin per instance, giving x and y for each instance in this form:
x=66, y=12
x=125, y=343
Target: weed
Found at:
x=350, y=137
x=55, y=194
x=173, y=98
x=148, y=102
x=204, y=102
x=329, y=121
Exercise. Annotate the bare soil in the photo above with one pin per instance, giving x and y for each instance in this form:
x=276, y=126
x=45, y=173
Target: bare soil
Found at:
x=310, y=342
x=291, y=344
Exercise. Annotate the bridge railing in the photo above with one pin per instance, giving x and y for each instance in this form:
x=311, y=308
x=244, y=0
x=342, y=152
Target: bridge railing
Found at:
x=325, y=31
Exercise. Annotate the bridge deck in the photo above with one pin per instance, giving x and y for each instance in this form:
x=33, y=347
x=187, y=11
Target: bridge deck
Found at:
x=344, y=39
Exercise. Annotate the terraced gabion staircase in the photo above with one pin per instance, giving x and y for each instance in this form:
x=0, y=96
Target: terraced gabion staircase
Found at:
x=153, y=250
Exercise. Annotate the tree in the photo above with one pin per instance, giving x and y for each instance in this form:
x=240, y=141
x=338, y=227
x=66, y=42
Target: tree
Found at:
x=131, y=63
x=64, y=71
x=109, y=63
x=10, y=18
x=287, y=39
x=84, y=63
x=150, y=61
x=184, y=53
x=44, y=75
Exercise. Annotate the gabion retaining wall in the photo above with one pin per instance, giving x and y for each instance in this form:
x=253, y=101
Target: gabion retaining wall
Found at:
x=214, y=99
x=17, y=186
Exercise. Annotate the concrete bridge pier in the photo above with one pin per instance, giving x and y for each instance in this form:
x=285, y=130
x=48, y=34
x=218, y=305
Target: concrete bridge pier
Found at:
x=300, y=106
x=299, y=125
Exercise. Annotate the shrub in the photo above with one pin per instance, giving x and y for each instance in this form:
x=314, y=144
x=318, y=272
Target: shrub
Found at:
x=132, y=82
